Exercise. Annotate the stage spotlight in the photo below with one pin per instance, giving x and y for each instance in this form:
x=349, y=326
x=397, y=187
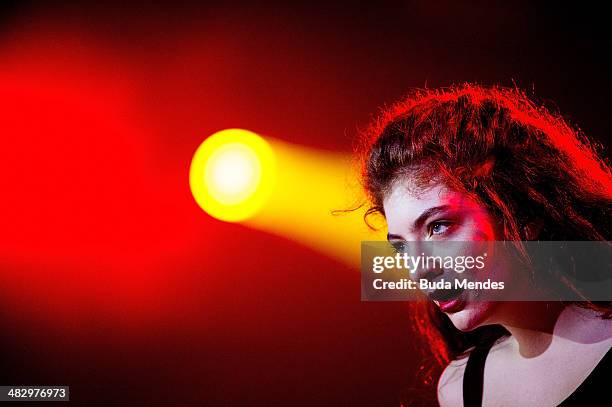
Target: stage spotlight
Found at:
x=232, y=174
x=285, y=189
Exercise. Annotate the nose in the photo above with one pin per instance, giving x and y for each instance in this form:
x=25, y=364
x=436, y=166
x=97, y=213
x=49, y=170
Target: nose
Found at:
x=418, y=250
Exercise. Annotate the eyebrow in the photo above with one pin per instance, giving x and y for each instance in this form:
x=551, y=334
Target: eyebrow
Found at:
x=418, y=223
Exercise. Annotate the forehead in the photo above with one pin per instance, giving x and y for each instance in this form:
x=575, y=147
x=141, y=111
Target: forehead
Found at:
x=405, y=201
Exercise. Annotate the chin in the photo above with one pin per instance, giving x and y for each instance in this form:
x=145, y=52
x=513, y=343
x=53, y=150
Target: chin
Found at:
x=473, y=315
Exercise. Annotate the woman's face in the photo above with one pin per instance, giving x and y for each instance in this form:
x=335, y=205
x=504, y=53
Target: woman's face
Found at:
x=438, y=214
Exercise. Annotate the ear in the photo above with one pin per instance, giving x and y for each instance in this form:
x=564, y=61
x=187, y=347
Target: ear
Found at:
x=533, y=229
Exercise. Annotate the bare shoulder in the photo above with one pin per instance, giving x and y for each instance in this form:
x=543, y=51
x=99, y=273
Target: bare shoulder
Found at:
x=450, y=384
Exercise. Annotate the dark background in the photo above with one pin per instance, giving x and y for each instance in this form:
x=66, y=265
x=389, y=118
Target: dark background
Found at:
x=139, y=298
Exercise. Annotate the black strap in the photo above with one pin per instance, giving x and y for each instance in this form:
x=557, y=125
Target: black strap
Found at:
x=594, y=386
x=473, y=377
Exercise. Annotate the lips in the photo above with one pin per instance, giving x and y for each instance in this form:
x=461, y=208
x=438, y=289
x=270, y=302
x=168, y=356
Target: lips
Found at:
x=449, y=300
x=451, y=306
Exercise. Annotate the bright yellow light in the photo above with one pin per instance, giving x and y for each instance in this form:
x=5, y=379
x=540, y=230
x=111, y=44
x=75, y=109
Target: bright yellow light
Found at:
x=284, y=189
x=310, y=185
x=232, y=174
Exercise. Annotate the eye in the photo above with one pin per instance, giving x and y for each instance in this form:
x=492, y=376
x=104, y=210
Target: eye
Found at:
x=398, y=245
x=438, y=228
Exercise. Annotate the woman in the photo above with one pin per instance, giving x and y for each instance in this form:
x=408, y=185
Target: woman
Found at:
x=495, y=166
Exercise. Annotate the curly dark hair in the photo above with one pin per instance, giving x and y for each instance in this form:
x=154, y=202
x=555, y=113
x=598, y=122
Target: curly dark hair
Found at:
x=519, y=160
